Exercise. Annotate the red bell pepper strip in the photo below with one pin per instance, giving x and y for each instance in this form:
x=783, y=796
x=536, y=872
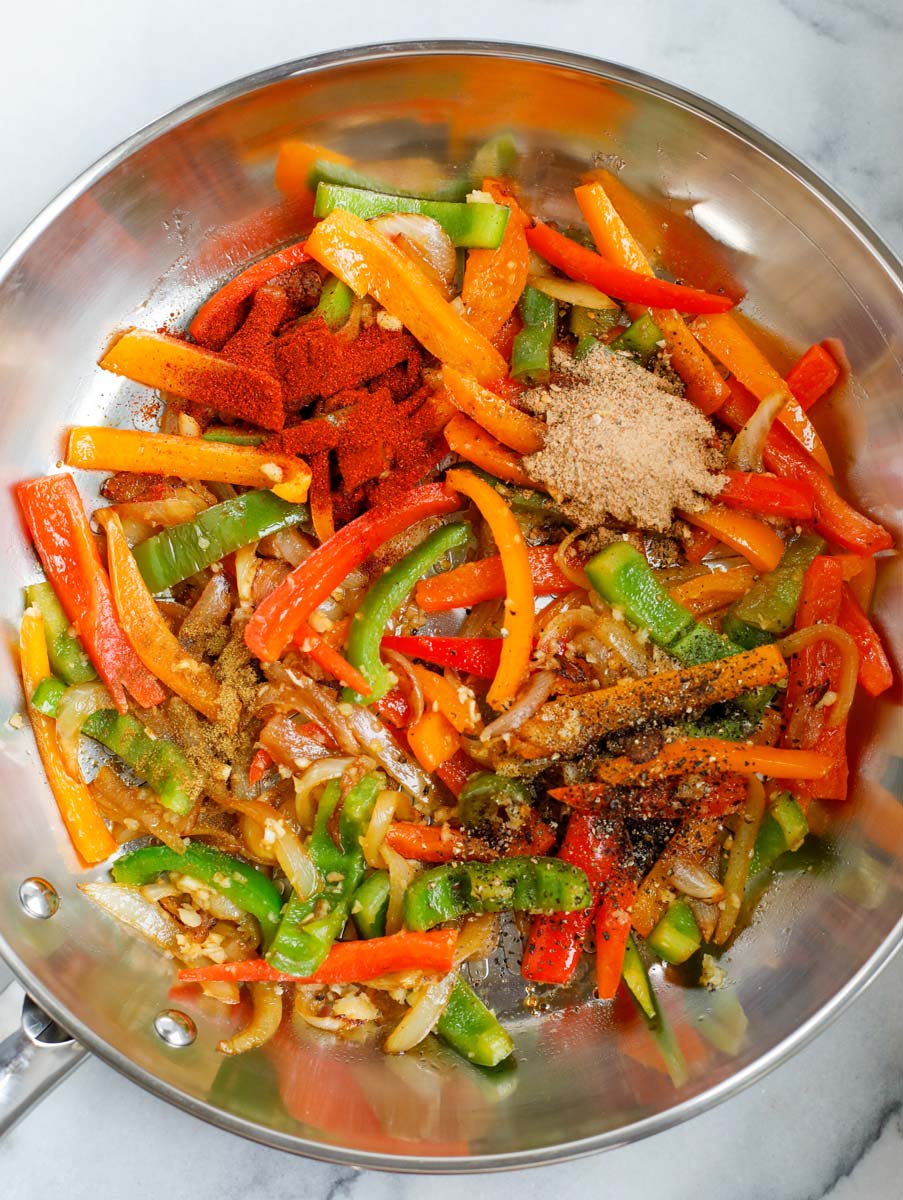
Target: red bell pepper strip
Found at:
x=612, y=932
x=260, y=764
x=277, y=617
x=875, y=674
x=587, y=267
x=812, y=376
x=485, y=580
x=218, y=317
x=812, y=673
x=347, y=962
x=310, y=643
x=697, y=544
x=394, y=708
x=769, y=495
x=555, y=941
x=477, y=656
x=456, y=771
x=59, y=528
x=442, y=843
x=834, y=518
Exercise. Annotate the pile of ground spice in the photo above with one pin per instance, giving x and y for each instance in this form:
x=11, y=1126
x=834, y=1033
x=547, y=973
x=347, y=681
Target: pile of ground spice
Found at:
x=621, y=444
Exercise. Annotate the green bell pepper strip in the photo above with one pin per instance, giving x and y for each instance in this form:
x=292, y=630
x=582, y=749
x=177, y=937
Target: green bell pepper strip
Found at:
x=641, y=339
x=243, y=884
x=68, y=660
x=479, y=225
x=158, y=761
x=528, y=501
x=634, y=975
x=386, y=595
x=588, y=325
x=370, y=905
x=182, y=550
x=784, y=828
x=309, y=927
x=770, y=605
x=531, y=352
x=334, y=305
x=485, y=794
x=473, y=1029
x=47, y=695
x=676, y=936
x=497, y=156
x=454, y=890
x=233, y=437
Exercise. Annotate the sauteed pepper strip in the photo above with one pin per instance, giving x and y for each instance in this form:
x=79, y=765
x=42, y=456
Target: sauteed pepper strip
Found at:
x=216, y=319
x=67, y=655
x=475, y=656
x=470, y=583
x=243, y=884
x=480, y=224
x=768, y=608
x=156, y=760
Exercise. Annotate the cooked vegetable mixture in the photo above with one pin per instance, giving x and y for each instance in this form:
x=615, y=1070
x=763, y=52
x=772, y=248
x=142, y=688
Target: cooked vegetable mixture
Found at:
x=473, y=569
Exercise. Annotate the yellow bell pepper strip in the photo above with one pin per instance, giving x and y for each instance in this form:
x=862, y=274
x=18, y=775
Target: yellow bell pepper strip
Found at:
x=433, y=740
x=495, y=279
x=219, y=317
x=518, y=628
x=500, y=419
x=707, y=593
x=81, y=816
x=97, y=448
x=446, y=698
x=756, y=541
x=371, y=264
x=151, y=638
x=59, y=528
x=705, y=387
x=294, y=163
x=569, y=723
x=472, y=442
x=196, y=374
x=723, y=337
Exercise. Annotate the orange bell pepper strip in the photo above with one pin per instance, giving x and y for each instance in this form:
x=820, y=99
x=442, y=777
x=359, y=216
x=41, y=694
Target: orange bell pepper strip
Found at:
x=309, y=642
x=347, y=962
x=81, y=816
x=518, y=628
x=875, y=672
x=861, y=573
x=613, y=921
x=510, y=425
x=707, y=593
x=370, y=263
x=196, y=374
x=97, y=448
x=711, y=756
x=705, y=387
x=471, y=441
x=812, y=376
x=442, y=843
x=294, y=163
x=734, y=348
x=433, y=740
x=495, y=279
x=749, y=536
x=218, y=318
x=151, y=638
x=59, y=528
x=445, y=697
x=697, y=544
x=471, y=583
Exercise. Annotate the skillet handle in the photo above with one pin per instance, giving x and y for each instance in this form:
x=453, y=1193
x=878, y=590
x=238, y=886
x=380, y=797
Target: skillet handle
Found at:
x=35, y=1055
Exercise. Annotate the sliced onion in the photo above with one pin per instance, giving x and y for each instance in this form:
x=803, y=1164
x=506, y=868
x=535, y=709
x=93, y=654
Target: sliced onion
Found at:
x=375, y=739
x=267, y=1018
x=571, y=291
x=849, y=662
x=290, y=853
x=401, y=873
x=575, y=574
x=747, y=447
x=78, y=703
x=424, y=241
x=736, y=871
x=137, y=806
x=174, y=510
x=560, y=626
x=316, y=774
x=246, y=561
x=693, y=880
x=287, y=746
x=706, y=915
x=383, y=814
x=216, y=903
x=268, y=576
x=294, y=692
x=626, y=644
x=478, y=937
x=128, y=905
x=407, y=682
x=536, y=692
x=223, y=990
x=288, y=544
x=428, y=1006
x=208, y=613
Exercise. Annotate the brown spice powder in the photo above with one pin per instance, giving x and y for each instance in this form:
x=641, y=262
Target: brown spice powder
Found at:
x=621, y=444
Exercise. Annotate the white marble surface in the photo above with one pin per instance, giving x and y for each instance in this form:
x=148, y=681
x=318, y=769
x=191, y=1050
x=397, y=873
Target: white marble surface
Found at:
x=822, y=76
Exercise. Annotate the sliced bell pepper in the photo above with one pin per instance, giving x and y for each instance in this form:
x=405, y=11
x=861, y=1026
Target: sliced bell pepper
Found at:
x=67, y=655
x=861, y=573
x=217, y=319
x=182, y=550
x=100, y=449
x=875, y=672
x=494, y=279
x=243, y=884
x=294, y=164
x=531, y=351
x=260, y=764
x=835, y=519
x=475, y=656
x=322, y=513
x=370, y=905
x=81, y=816
x=768, y=495
x=735, y=349
x=383, y=598
x=471, y=441
x=433, y=740
x=613, y=920
x=278, y=616
x=750, y=537
x=151, y=638
x=442, y=843
x=371, y=264
x=518, y=628
x=457, y=705
x=698, y=544
x=47, y=695
x=310, y=643
x=473, y=224
x=455, y=772
x=707, y=593
x=625, y=284
x=474, y=582
x=812, y=376
x=334, y=305
x=770, y=605
x=640, y=340
x=449, y=892
x=347, y=962
x=676, y=936
x=158, y=761
x=59, y=528
x=473, y=1029
x=511, y=426
x=171, y=365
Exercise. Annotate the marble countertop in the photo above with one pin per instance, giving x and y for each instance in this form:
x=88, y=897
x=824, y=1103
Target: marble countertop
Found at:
x=823, y=77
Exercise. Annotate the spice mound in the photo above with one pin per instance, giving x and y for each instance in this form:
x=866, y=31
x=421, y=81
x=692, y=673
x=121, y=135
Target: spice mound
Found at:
x=620, y=444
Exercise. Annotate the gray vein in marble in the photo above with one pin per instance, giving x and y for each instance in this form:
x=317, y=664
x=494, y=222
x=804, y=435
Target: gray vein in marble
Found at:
x=890, y=1117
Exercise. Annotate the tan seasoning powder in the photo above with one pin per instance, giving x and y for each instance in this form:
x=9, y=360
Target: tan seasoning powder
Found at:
x=621, y=444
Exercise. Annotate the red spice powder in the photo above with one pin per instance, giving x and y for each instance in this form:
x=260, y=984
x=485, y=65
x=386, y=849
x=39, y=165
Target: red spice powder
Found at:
x=312, y=361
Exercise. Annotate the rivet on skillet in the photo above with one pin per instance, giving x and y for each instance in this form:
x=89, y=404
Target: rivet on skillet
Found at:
x=39, y=899
x=175, y=1028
